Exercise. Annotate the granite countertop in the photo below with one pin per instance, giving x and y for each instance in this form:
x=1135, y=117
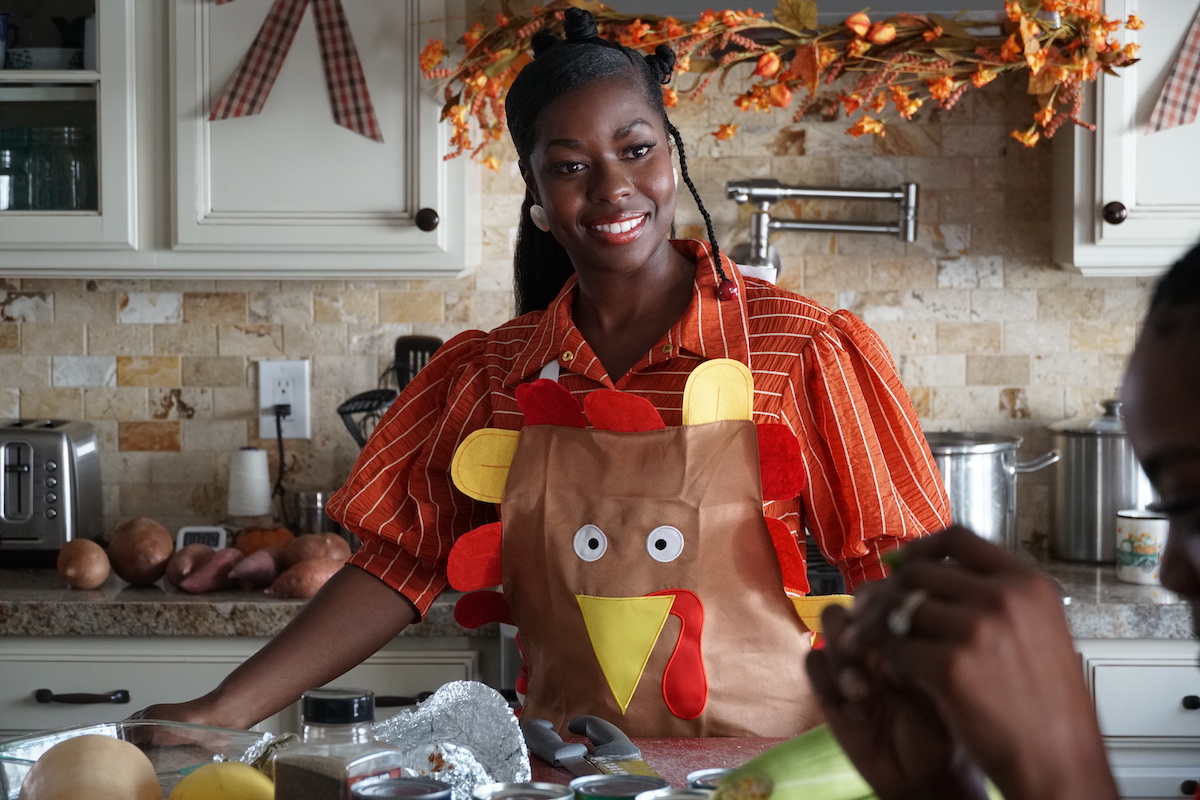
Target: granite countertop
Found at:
x=35, y=602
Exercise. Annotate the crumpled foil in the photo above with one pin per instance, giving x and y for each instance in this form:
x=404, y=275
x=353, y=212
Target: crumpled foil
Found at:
x=464, y=734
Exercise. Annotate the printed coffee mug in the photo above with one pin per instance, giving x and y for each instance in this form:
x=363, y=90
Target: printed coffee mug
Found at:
x=1141, y=536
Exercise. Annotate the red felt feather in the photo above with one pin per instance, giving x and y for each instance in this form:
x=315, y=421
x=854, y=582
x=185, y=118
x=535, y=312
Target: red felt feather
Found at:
x=779, y=461
x=545, y=402
x=474, y=561
x=477, y=609
x=610, y=410
x=791, y=561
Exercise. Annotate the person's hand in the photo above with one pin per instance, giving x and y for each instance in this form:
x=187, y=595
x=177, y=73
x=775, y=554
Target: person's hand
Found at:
x=894, y=735
x=983, y=637
x=193, y=712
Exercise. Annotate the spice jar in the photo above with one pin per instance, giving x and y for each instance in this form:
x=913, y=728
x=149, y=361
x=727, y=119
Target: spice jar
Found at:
x=337, y=749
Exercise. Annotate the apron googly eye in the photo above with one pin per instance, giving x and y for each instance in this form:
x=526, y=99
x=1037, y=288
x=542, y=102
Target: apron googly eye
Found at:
x=590, y=542
x=664, y=543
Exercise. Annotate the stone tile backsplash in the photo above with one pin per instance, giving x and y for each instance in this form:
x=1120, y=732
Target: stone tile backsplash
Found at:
x=987, y=332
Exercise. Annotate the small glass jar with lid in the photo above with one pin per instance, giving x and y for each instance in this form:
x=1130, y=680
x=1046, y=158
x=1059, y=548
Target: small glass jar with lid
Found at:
x=14, y=169
x=63, y=169
x=337, y=748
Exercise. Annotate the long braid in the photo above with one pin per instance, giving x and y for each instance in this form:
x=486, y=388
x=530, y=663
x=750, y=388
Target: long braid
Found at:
x=687, y=179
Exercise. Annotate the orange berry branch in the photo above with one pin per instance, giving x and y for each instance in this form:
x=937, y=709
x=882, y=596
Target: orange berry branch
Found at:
x=881, y=67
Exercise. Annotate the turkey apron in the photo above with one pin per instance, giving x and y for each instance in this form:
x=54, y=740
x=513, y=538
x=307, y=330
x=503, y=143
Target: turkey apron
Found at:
x=646, y=584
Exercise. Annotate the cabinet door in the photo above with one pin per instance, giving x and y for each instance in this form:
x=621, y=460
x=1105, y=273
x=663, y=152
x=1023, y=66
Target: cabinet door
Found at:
x=290, y=180
x=1155, y=177
x=43, y=101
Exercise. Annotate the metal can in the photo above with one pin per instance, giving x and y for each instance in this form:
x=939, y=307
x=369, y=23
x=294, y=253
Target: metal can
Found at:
x=615, y=787
x=408, y=788
x=707, y=778
x=671, y=793
x=534, y=790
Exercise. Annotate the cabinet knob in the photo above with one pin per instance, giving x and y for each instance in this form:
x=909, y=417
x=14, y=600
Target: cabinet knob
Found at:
x=1188, y=788
x=1115, y=213
x=427, y=219
x=48, y=696
x=1191, y=702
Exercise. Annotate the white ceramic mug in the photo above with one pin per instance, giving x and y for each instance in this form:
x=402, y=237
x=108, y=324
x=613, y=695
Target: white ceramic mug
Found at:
x=1141, y=536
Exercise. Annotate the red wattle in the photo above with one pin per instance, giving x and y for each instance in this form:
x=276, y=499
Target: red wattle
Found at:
x=685, y=685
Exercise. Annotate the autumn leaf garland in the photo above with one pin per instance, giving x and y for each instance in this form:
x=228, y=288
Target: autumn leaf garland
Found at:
x=897, y=64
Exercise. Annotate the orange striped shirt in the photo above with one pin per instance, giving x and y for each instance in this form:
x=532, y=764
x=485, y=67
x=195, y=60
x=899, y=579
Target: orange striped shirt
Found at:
x=871, y=481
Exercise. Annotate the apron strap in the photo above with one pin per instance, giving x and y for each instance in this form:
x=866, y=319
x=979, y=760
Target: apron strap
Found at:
x=550, y=371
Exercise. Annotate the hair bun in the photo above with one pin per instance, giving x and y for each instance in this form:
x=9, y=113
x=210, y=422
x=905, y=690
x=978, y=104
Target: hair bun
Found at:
x=579, y=24
x=662, y=62
x=542, y=41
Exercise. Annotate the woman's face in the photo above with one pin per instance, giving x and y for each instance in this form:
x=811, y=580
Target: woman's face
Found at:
x=1162, y=417
x=602, y=170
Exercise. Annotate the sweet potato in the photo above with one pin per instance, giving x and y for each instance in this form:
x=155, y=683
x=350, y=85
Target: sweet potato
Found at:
x=258, y=569
x=213, y=576
x=305, y=578
x=309, y=546
x=187, y=560
x=139, y=550
x=83, y=564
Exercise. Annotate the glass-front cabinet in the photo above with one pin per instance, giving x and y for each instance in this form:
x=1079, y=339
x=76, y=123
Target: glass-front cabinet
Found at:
x=67, y=171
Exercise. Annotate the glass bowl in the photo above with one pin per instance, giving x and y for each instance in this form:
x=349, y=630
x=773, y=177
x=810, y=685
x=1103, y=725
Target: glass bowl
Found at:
x=174, y=748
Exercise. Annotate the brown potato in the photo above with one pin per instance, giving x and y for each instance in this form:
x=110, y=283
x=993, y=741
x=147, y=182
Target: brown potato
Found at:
x=315, y=545
x=187, y=560
x=213, y=575
x=139, y=551
x=83, y=564
x=305, y=578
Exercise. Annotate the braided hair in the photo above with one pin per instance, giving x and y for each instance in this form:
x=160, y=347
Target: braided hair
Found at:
x=540, y=264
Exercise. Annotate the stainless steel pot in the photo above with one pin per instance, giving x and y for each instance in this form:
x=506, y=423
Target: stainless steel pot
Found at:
x=980, y=472
x=1098, y=477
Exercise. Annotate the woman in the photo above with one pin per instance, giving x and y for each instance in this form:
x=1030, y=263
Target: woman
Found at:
x=608, y=301
x=962, y=662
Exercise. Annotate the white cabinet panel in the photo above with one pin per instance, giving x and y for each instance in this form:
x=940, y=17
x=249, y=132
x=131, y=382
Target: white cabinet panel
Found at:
x=1147, y=700
x=1155, y=177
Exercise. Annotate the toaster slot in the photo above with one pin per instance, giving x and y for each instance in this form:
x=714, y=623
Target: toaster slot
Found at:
x=16, y=482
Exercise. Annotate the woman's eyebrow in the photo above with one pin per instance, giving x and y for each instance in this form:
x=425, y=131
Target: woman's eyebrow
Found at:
x=619, y=133
x=625, y=130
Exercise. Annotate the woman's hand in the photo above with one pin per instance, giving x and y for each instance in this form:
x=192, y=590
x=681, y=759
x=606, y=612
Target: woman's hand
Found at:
x=988, y=646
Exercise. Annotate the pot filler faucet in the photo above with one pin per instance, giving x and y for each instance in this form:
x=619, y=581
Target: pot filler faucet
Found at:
x=764, y=191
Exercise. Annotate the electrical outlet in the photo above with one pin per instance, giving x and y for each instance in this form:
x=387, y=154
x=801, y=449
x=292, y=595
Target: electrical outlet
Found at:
x=282, y=382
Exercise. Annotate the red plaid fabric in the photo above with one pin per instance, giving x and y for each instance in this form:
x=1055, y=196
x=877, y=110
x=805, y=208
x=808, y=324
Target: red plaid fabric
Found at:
x=1180, y=98
x=247, y=91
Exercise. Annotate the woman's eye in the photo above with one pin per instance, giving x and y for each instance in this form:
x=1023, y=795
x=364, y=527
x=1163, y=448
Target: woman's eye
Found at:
x=567, y=167
x=640, y=150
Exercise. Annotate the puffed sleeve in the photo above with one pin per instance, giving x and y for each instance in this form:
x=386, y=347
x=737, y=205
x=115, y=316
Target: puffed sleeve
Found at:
x=872, y=482
x=399, y=499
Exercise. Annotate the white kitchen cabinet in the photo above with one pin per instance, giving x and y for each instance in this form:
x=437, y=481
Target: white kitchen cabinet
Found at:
x=33, y=100
x=287, y=193
x=1147, y=696
x=1154, y=178
x=172, y=669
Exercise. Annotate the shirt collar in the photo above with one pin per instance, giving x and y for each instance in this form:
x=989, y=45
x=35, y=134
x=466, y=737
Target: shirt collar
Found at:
x=710, y=327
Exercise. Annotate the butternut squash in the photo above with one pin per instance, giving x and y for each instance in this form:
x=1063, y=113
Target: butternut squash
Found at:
x=92, y=766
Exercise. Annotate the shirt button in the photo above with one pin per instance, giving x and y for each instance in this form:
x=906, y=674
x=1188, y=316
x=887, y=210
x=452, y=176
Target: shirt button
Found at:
x=666, y=348
x=567, y=355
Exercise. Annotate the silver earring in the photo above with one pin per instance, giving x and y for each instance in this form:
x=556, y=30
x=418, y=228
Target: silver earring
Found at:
x=540, y=220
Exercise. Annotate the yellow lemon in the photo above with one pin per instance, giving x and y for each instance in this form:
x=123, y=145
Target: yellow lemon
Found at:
x=224, y=780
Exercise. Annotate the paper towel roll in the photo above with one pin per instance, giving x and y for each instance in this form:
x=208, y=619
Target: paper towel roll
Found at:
x=249, y=483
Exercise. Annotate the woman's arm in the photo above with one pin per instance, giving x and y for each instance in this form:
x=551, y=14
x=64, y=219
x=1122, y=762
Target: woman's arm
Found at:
x=352, y=616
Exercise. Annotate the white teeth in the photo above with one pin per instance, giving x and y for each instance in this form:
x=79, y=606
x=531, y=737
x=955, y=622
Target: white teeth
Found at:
x=619, y=227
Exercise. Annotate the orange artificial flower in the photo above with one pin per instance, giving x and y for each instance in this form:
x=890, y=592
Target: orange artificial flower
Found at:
x=1029, y=138
x=492, y=163
x=942, y=87
x=473, y=35
x=860, y=23
x=983, y=76
x=672, y=29
x=779, y=95
x=1130, y=50
x=1013, y=9
x=858, y=48
x=851, y=102
x=1036, y=61
x=432, y=55
x=768, y=65
x=906, y=105
x=882, y=33
x=683, y=63
x=866, y=125
x=1044, y=115
x=1134, y=23
x=933, y=33
x=670, y=97
x=826, y=55
x=725, y=132
x=1011, y=50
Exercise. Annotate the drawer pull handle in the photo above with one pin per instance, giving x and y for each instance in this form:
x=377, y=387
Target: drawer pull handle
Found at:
x=1191, y=702
x=47, y=696
x=1189, y=787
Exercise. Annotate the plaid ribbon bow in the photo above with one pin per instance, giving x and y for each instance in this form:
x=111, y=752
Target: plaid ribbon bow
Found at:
x=1180, y=97
x=247, y=91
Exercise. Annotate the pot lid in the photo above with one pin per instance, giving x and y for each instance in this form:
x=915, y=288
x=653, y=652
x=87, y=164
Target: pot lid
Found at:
x=1110, y=424
x=948, y=442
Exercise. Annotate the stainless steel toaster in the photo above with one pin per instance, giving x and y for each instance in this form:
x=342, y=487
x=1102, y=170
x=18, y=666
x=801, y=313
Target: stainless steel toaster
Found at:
x=50, y=490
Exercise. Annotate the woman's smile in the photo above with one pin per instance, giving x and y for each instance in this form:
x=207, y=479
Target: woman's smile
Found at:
x=619, y=230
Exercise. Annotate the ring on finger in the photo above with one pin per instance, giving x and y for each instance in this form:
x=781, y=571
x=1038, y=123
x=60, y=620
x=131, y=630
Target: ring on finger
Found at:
x=899, y=621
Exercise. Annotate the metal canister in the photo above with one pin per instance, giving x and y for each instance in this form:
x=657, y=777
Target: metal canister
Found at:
x=671, y=793
x=533, y=790
x=615, y=787
x=408, y=788
x=707, y=778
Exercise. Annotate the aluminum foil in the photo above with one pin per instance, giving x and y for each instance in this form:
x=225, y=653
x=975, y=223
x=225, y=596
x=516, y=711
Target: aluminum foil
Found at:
x=465, y=734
